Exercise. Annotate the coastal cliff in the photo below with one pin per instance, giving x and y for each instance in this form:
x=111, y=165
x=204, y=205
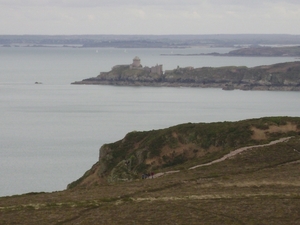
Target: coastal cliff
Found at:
x=181, y=146
x=281, y=77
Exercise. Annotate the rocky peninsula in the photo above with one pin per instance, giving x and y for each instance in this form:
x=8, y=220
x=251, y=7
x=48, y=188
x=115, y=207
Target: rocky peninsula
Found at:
x=276, y=77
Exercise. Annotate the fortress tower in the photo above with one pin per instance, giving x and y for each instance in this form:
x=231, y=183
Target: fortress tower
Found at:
x=136, y=62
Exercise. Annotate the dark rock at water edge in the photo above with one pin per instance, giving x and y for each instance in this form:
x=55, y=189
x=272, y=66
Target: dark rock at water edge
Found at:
x=276, y=77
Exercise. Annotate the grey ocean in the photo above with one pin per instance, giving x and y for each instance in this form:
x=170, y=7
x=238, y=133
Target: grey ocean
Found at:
x=51, y=133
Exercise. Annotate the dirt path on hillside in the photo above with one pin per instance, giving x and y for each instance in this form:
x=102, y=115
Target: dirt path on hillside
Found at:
x=238, y=151
x=229, y=155
x=163, y=173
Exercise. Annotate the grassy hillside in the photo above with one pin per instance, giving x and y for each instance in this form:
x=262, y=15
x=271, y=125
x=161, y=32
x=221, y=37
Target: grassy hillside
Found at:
x=181, y=147
x=257, y=186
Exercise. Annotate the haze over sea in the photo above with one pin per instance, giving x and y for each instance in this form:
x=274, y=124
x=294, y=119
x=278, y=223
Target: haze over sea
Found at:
x=51, y=133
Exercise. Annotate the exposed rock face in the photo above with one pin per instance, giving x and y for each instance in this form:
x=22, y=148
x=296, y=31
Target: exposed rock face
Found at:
x=282, y=76
x=144, y=152
x=104, y=156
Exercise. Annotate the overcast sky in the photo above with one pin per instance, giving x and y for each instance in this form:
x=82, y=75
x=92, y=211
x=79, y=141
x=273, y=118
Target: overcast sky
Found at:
x=149, y=16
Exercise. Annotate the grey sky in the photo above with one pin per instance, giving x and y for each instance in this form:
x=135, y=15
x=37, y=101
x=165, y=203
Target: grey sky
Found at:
x=149, y=16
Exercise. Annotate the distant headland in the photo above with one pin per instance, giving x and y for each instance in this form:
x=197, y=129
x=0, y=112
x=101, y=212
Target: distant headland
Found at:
x=279, y=77
x=253, y=51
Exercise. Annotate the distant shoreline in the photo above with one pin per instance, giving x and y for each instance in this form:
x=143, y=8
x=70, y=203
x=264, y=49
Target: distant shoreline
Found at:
x=223, y=87
x=257, y=51
x=277, y=77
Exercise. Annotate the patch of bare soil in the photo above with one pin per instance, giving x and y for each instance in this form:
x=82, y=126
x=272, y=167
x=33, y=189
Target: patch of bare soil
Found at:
x=282, y=69
x=259, y=134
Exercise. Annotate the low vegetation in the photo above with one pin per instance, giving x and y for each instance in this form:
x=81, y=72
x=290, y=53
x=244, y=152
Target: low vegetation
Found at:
x=184, y=146
x=257, y=186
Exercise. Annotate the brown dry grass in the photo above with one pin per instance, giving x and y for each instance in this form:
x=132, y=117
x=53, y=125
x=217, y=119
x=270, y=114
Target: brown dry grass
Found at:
x=259, y=134
x=260, y=186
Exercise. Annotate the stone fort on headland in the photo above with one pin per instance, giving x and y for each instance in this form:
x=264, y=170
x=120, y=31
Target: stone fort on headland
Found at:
x=136, y=64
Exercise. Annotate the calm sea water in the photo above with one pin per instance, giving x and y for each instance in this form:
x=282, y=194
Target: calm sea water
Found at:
x=51, y=133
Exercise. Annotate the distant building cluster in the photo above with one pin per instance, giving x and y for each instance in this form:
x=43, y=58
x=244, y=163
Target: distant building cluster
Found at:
x=136, y=64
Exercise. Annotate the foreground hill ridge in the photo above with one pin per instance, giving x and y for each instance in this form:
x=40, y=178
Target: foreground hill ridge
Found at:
x=182, y=147
x=258, y=186
x=281, y=76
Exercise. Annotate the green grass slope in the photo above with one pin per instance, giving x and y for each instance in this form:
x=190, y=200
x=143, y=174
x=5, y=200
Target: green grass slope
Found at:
x=181, y=147
x=258, y=186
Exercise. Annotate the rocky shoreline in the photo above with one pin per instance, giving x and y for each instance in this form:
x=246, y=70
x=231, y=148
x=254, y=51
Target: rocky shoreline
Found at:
x=177, y=84
x=277, y=77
